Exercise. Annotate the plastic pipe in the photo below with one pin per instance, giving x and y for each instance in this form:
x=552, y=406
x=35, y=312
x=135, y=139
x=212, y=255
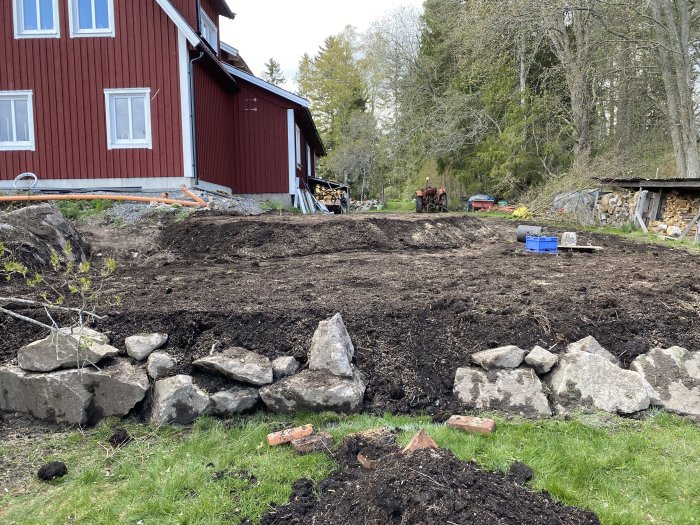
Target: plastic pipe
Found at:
x=129, y=198
x=190, y=194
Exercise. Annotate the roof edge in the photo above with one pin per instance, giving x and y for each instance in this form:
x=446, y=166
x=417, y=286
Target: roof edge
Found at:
x=180, y=22
x=237, y=73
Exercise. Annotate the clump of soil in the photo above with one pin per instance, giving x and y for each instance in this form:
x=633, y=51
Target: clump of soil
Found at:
x=53, y=470
x=120, y=438
x=520, y=473
x=427, y=486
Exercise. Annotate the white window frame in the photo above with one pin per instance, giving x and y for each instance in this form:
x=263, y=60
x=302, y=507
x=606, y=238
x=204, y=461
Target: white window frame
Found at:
x=297, y=141
x=18, y=18
x=204, y=21
x=113, y=143
x=73, y=21
x=29, y=145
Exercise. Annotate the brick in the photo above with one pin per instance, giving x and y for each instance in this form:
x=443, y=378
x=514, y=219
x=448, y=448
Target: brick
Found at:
x=289, y=435
x=369, y=464
x=419, y=442
x=477, y=425
x=313, y=443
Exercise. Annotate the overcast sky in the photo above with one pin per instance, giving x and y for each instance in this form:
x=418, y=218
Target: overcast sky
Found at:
x=286, y=29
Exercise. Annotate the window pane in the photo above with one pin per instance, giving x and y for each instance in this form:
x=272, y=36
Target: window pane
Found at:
x=5, y=121
x=138, y=118
x=46, y=16
x=30, y=20
x=101, y=14
x=121, y=119
x=85, y=14
x=22, y=120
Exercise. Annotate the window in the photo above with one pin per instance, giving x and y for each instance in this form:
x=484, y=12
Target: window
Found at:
x=128, y=118
x=298, y=145
x=36, y=18
x=91, y=18
x=16, y=121
x=208, y=30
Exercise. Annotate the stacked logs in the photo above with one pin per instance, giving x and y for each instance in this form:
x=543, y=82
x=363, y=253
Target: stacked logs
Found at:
x=679, y=210
x=617, y=208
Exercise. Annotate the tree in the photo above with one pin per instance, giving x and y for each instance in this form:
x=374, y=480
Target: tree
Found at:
x=273, y=73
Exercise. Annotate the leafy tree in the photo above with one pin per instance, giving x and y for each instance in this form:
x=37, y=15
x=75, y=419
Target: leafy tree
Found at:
x=273, y=73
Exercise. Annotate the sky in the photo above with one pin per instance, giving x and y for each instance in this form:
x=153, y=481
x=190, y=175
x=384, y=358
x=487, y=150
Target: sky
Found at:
x=285, y=29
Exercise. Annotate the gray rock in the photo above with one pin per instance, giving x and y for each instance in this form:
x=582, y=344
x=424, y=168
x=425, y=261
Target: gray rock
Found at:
x=541, y=360
x=284, y=367
x=176, y=400
x=77, y=397
x=315, y=391
x=516, y=391
x=229, y=403
x=674, y=377
x=69, y=348
x=590, y=382
x=159, y=365
x=32, y=233
x=240, y=365
x=504, y=357
x=331, y=348
x=141, y=346
x=590, y=345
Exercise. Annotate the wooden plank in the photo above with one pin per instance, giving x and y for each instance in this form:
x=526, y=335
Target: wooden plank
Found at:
x=581, y=249
x=640, y=207
x=690, y=227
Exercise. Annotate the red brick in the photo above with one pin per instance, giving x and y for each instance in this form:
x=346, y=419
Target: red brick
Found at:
x=313, y=443
x=478, y=425
x=289, y=435
x=419, y=442
x=369, y=464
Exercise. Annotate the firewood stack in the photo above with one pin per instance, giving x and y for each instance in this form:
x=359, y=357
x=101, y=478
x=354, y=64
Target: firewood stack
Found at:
x=679, y=210
x=617, y=208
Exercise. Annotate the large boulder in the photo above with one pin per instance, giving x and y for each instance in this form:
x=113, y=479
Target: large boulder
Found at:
x=590, y=382
x=504, y=357
x=160, y=365
x=331, y=348
x=541, y=360
x=77, y=397
x=516, y=391
x=33, y=232
x=590, y=345
x=141, y=346
x=240, y=365
x=230, y=403
x=674, y=376
x=315, y=391
x=67, y=348
x=176, y=400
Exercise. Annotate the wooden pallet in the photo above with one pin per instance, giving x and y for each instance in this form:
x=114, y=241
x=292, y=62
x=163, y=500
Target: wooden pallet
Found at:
x=584, y=249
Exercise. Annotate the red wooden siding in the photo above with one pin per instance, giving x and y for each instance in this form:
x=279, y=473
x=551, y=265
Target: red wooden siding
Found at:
x=68, y=76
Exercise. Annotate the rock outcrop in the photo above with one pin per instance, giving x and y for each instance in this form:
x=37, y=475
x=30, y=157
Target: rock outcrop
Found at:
x=504, y=357
x=240, y=365
x=140, y=346
x=284, y=367
x=229, y=403
x=590, y=345
x=67, y=348
x=331, y=348
x=176, y=400
x=674, y=377
x=159, y=365
x=541, y=360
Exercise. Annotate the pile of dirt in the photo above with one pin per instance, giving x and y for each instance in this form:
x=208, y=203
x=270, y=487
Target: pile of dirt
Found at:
x=218, y=238
x=427, y=486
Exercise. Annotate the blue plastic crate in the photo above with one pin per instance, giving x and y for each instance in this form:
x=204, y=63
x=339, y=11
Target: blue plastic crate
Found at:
x=541, y=244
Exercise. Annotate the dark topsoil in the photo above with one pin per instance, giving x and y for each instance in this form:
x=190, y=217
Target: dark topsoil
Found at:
x=425, y=487
x=419, y=294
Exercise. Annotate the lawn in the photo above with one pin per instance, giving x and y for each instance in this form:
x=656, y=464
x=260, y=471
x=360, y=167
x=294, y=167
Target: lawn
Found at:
x=627, y=471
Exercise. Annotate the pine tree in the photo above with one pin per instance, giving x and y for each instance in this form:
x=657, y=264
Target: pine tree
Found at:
x=273, y=73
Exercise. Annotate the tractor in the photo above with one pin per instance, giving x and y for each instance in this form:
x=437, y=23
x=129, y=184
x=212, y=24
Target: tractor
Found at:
x=431, y=199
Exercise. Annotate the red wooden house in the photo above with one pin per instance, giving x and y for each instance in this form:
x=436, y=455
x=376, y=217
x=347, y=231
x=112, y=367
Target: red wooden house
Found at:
x=136, y=94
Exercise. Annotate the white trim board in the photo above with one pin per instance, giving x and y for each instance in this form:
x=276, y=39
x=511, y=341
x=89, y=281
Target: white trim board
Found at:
x=145, y=183
x=291, y=147
x=237, y=73
x=185, y=105
x=180, y=22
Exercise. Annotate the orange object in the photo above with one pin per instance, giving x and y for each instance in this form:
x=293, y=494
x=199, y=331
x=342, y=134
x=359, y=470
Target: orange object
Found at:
x=289, y=435
x=87, y=197
x=419, y=442
x=191, y=195
x=472, y=424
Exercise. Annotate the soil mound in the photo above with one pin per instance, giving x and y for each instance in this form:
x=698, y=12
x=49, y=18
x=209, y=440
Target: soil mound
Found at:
x=428, y=486
x=224, y=238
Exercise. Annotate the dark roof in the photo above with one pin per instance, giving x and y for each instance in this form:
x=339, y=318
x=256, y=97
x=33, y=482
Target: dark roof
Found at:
x=215, y=66
x=640, y=182
x=224, y=9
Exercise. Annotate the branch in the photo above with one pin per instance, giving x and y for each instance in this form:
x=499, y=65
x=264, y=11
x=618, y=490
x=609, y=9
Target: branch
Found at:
x=27, y=319
x=50, y=306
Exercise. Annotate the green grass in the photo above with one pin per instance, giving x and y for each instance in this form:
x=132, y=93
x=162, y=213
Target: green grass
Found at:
x=277, y=206
x=83, y=209
x=629, y=472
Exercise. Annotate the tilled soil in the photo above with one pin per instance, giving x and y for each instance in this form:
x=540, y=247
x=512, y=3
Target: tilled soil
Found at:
x=419, y=294
x=427, y=486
